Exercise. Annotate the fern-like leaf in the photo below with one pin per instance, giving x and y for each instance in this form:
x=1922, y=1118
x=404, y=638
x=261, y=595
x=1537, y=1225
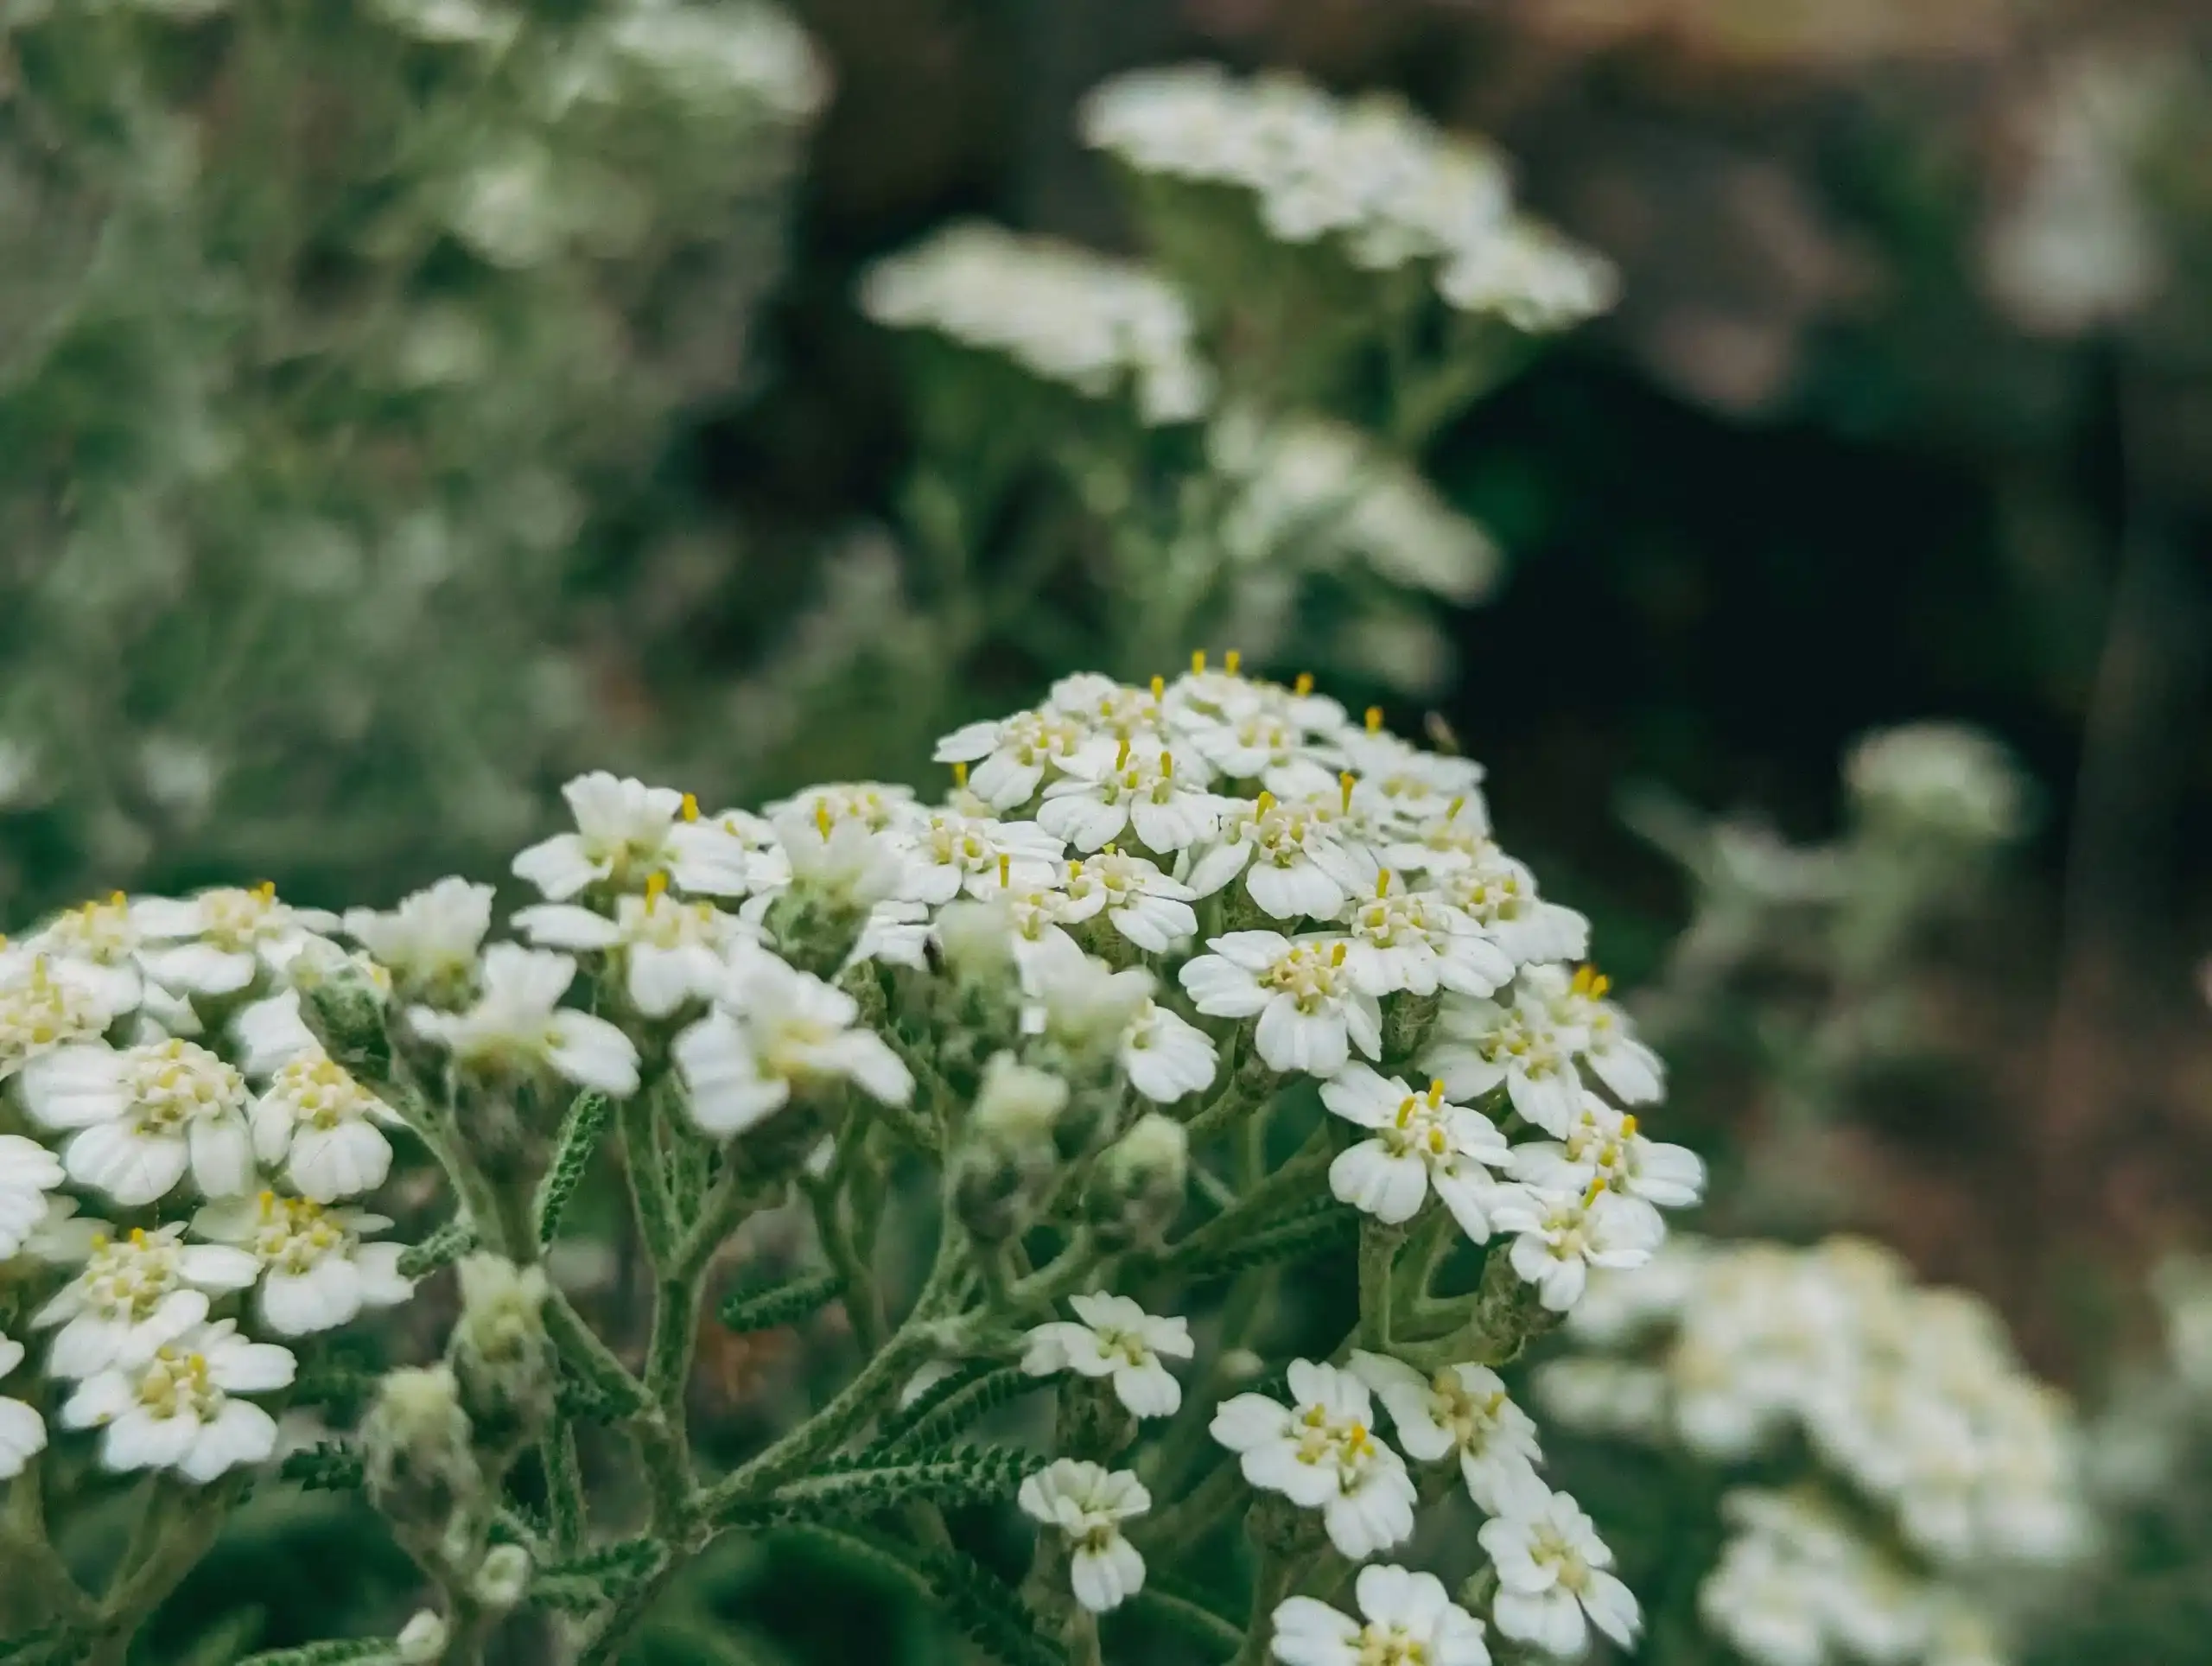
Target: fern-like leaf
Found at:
x=578, y=1143
x=769, y=1306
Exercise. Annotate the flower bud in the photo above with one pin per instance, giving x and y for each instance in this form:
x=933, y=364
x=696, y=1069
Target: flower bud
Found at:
x=421, y=1640
x=500, y=1355
x=502, y=1577
x=1006, y=1162
x=1085, y=1005
x=1137, y=1189
x=415, y=1445
x=976, y=941
x=342, y=1001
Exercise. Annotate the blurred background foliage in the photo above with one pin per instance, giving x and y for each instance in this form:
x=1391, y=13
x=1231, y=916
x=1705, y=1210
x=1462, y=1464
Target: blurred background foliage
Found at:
x=406, y=403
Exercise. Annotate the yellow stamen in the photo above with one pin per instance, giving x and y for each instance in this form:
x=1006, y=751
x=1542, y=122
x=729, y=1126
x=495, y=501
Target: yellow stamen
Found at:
x=960, y=775
x=139, y=1237
x=1197, y=662
x=1122, y=757
x=822, y=816
x=1337, y=955
x=1627, y=1127
x=115, y=898
x=1436, y=1091
x=1264, y=803
x=656, y=883
x=1451, y=814
x=1345, y=782
x=1374, y=719
x=1075, y=868
x=1382, y=883
x=1591, y=1196
x=1167, y=763
x=690, y=806
x=1005, y=869
x=1233, y=661
x=266, y=890
x=1159, y=685
x=1304, y=684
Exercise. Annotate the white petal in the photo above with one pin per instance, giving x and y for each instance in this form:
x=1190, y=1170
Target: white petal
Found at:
x=594, y=1053
x=337, y=1162
x=75, y=1087
x=559, y=866
x=222, y=1154
x=130, y=1168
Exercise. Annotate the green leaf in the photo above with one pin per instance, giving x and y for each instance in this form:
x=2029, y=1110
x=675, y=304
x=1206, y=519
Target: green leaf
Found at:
x=337, y=1651
x=1290, y=1238
x=331, y=1466
x=573, y=1150
x=342, y=1385
x=1184, y=1606
x=593, y=1580
x=951, y=1406
x=48, y=1643
x=863, y=1485
x=768, y=1307
x=989, y=1611
x=448, y=1243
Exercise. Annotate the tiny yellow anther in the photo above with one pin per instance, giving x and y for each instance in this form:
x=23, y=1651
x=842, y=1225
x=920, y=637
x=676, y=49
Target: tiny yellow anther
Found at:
x=690, y=806
x=1303, y=684
x=822, y=816
x=1075, y=868
x=1436, y=1091
x=139, y=1237
x=268, y=1201
x=1346, y=783
x=1006, y=870
x=1382, y=882
x=115, y=898
x=1337, y=955
x=1627, y=1127
x=266, y=890
x=1167, y=763
x=1122, y=757
x=1374, y=719
x=656, y=885
x=1451, y=813
x=1159, y=685
x=1197, y=662
x=100, y=1240
x=1591, y=1196
x=1233, y=661
x=1265, y=802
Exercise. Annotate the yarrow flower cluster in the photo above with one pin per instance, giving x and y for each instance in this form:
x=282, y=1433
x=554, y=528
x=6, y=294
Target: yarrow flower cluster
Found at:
x=1910, y=1399
x=1081, y=320
x=1371, y=174
x=1082, y=985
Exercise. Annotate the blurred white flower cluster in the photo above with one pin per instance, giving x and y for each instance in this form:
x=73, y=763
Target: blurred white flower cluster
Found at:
x=1945, y=778
x=1371, y=174
x=1940, y=1463
x=1080, y=319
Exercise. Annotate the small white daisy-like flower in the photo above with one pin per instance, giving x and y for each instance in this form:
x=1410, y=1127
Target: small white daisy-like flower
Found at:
x=1079, y=999
x=235, y=935
x=1165, y=1056
x=1499, y=894
x=627, y=831
x=1089, y=1502
x=45, y=1004
x=1013, y=756
x=1406, y=1619
x=1415, y=941
x=1322, y=1453
x=22, y=1431
x=320, y=1127
x=135, y=1293
x=952, y=852
x=1151, y=793
x=1421, y=1141
x=517, y=1025
x=1461, y=1411
x=847, y=862
x=429, y=942
x=1413, y=785
x=775, y=1028
x=1553, y=1579
x=1116, y=1339
x=1311, y=1013
x=1609, y=1047
x=670, y=951
x=1604, y=1145
x=1561, y=1235
x=1292, y=862
x=27, y=1172
x=317, y=1273
x=143, y=1116
x=1482, y=1044
x=180, y=1409
x=896, y=933
x=1266, y=744
x=1142, y=903
x=102, y=939
x=880, y=806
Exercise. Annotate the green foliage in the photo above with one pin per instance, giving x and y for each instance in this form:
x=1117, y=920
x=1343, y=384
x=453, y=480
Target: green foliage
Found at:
x=985, y=1609
x=331, y=1467
x=948, y=1407
x=447, y=1244
x=868, y=1484
x=573, y=1150
x=784, y=1301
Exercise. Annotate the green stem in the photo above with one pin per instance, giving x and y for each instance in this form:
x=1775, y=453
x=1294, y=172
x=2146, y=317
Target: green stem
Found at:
x=1270, y=1584
x=1378, y=1257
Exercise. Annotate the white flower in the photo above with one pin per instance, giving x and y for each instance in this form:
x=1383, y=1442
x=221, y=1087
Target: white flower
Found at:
x=1013, y=755
x=671, y=952
x=144, y=1115
x=952, y=853
x=1413, y=940
x=1499, y=894
x=135, y=1294
x=1311, y=1013
x=178, y=1410
x=880, y=806
x=101, y=940
x=316, y=1272
x=27, y=1172
x=1462, y=1409
x=1165, y=1057
x=1089, y=1502
x=429, y=942
x=895, y=933
x=1292, y=862
x=45, y=1004
x=1160, y=798
x=1561, y=1235
x=269, y=1032
x=773, y=1029
x=1410, y=1621
x=1265, y=744
x=1142, y=904
x=320, y=1125
x=1482, y=1045
x=1609, y=1045
x=627, y=831
x=846, y=861
x=1321, y=1453
x=1603, y=1145
x=1552, y=1573
x=1116, y=1339
x=517, y=1024
x=1421, y=1141
x=236, y=935
x=22, y=1431
x=1079, y=999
